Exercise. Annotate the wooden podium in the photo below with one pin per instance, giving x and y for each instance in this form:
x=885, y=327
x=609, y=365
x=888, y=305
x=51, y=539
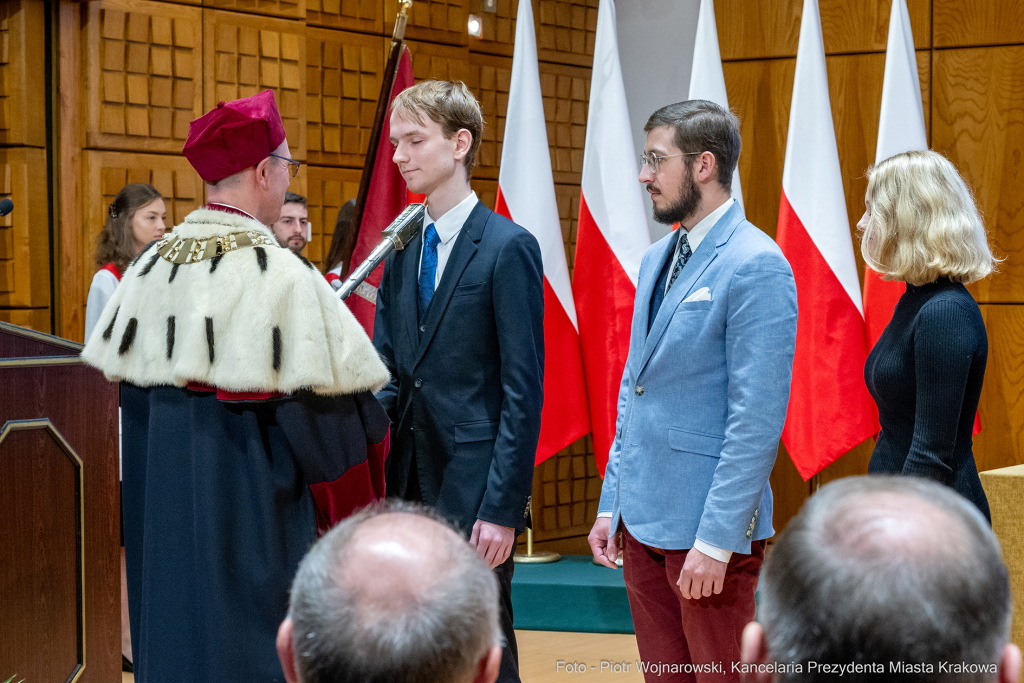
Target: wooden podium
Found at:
x=59, y=519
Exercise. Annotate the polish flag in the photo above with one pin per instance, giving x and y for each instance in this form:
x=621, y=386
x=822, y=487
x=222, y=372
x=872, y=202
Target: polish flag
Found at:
x=387, y=197
x=830, y=409
x=900, y=129
x=611, y=236
x=707, y=80
x=526, y=195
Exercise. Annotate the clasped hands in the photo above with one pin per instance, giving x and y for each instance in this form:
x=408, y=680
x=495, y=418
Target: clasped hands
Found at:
x=701, y=575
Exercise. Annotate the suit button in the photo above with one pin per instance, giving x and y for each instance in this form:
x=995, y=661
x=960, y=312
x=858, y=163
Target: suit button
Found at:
x=423, y=328
x=639, y=390
x=418, y=383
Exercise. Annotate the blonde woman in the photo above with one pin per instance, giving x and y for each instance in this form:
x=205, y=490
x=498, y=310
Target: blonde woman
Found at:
x=925, y=373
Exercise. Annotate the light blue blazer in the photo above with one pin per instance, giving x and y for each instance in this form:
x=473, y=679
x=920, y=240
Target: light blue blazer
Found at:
x=703, y=396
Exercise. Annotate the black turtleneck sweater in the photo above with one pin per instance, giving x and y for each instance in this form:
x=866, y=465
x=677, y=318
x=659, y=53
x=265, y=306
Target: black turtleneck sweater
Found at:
x=925, y=373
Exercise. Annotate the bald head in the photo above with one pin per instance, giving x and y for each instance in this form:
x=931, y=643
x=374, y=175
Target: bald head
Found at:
x=389, y=594
x=879, y=569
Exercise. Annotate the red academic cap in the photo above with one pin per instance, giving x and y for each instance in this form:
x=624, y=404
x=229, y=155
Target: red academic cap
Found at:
x=234, y=136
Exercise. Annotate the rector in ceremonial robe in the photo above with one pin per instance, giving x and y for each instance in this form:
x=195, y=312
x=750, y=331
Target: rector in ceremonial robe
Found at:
x=248, y=414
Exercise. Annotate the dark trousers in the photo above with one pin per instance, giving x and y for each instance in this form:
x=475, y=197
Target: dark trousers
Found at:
x=673, y=630
x=509, y=672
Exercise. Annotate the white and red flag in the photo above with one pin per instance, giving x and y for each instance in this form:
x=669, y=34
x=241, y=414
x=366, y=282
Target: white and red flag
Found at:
x=611, y=237
x=707, y=80
x=526, y=195
x=900, y=129
x=830, y=409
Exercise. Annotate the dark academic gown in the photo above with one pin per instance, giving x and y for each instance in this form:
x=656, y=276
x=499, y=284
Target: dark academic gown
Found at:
x=231, y=465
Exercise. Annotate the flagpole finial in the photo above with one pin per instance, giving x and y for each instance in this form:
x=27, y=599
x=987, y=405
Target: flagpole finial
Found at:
x=403, y=16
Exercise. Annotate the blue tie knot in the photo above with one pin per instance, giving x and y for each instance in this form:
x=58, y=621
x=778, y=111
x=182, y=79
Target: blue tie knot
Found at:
x=431, y=238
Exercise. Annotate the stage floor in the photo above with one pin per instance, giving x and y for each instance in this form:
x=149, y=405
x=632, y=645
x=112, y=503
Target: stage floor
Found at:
x=541, y=651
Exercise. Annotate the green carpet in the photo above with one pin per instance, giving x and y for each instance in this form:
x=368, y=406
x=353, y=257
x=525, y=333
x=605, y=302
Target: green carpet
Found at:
x=571, y=595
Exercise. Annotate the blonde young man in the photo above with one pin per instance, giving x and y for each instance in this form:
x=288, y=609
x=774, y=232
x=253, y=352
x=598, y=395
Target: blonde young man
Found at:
x=459, y=324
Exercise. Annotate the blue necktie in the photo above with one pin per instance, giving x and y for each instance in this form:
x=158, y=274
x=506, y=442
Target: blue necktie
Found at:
x=428, y=267
x=682, y=257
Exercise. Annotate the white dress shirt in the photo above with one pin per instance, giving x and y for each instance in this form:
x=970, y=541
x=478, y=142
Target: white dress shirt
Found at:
x=448, y=228
x=694, y=237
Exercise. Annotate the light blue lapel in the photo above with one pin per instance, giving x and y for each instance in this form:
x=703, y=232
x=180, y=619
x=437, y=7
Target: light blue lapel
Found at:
x=695, y=267
x=659, y=253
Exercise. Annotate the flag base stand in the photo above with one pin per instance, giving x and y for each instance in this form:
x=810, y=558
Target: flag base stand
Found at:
x=538, y=557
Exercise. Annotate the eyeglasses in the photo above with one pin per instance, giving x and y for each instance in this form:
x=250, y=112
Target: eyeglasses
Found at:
x=653, y=160
x=293, y=165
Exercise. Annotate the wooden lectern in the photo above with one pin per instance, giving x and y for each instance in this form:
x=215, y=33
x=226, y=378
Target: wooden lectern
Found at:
x=59, y=519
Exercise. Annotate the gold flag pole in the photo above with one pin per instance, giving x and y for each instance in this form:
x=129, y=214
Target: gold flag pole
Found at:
x=531, y=557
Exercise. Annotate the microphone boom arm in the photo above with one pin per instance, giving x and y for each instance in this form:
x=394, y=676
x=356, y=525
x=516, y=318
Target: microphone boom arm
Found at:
x=397, y=235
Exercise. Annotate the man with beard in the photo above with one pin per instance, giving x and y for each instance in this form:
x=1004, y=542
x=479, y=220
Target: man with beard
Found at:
x=701, y=405
x=292, y=228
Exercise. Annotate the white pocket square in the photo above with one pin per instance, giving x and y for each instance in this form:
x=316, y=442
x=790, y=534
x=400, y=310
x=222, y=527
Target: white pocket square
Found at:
x=702, y=294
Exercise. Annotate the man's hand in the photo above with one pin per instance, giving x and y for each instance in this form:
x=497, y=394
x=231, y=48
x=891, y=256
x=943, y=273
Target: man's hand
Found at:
x=701, y=575
x=603, y=543
x=493, y=542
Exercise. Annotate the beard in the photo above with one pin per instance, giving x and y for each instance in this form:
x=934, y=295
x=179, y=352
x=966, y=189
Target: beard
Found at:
x=684, y=207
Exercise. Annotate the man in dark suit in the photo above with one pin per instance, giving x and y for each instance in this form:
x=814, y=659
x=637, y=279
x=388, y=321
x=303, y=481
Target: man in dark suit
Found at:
x=460, y=325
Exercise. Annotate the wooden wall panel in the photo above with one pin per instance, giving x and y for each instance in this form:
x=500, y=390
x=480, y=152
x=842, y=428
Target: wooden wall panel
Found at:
x=443, y=62
x=145, y=69
x=978, y=122
x=565, y=90
x=758, y=29
x=566, y=491
x=489, y=78
x=327, y=189
x=365, y=16
x=22, y=101
x=103, y=176
x=566, y=31
x=24, y=242
x=292, y=9
x=437, y=21
x=243, y=55
x=32, y=318
x=1001, y=442
x=497, y=30
x=960, y=23
x=343, y=77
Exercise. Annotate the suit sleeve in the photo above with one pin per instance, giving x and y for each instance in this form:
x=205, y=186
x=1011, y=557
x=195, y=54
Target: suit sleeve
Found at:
x=518, y=295
x=760, y=340
x=388, y=395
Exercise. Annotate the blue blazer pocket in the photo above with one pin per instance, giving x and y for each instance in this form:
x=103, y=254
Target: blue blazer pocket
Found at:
x=695, y=442
x=470, y=288
x=694, y=306
x=468, y=432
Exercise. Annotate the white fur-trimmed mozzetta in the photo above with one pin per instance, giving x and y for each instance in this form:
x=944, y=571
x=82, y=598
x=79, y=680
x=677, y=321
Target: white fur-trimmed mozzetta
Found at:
x=253, y=319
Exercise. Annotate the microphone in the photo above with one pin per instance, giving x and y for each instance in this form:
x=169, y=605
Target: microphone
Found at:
x=396, y=237
x=6, y=206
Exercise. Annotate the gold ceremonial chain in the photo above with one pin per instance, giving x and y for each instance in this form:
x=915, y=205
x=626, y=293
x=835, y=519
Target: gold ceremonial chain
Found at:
x=194, y=250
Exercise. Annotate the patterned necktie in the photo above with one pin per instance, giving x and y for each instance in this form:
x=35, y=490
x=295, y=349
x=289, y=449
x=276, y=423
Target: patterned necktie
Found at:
x=683, y=255
x=428, y=267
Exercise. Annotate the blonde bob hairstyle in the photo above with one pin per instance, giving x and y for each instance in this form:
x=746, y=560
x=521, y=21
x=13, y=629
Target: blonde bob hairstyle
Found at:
x=923, y=223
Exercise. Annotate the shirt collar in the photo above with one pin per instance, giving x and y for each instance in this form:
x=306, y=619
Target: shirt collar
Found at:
x=449, y=225
x=697, y=233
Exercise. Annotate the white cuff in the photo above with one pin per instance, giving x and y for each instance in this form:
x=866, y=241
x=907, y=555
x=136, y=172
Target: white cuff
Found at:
x=601, y=515
x=711, y=551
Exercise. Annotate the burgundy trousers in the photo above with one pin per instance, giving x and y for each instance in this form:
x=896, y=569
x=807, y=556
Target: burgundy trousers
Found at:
x=695, y=641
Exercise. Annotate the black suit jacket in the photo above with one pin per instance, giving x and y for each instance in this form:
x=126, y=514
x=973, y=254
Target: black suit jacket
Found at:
x=467, y=381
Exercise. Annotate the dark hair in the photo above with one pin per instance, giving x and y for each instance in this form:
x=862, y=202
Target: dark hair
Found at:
x=292, y=198
x=342, y=227
x=114, y=244
x=703, y=126
x=878, y=569
x=438, y=632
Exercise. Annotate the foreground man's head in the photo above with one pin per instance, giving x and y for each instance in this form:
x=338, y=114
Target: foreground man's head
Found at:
x=392, y=595
x=892, y=572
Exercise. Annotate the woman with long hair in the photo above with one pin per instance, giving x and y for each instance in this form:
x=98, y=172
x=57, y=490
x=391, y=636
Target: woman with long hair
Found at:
x=921, y=227
x=334, y=268
x=134, y=219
